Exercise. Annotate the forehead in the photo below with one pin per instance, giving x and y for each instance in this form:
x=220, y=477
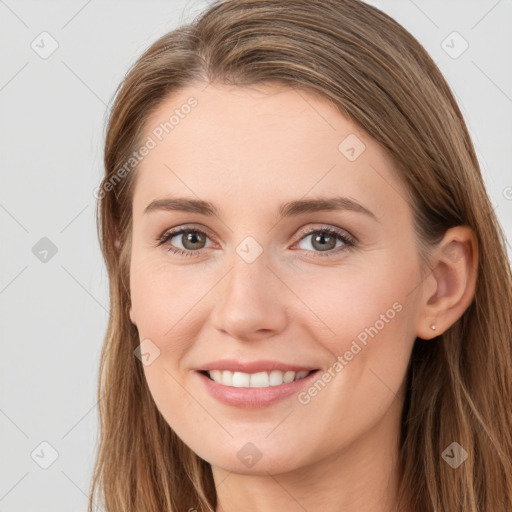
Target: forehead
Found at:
x=253, y=144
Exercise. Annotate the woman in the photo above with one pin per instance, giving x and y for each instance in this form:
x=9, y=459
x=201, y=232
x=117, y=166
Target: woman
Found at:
x=310, y=295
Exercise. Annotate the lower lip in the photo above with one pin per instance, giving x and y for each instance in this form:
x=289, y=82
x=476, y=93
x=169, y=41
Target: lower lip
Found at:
x=254, y=398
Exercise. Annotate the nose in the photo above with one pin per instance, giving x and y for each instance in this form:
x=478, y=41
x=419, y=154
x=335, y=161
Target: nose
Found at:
x=251, y=303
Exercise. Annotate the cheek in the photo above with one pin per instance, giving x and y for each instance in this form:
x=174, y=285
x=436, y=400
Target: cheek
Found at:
x=370, y=351
x=355, y=303
x=163, y=304
x=163, y=298
x=364, y=318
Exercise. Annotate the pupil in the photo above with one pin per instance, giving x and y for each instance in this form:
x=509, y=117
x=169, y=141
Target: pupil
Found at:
x=193, y=238
x=324, y=237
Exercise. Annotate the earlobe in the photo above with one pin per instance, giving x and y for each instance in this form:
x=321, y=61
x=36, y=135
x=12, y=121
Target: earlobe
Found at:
x=453, y=279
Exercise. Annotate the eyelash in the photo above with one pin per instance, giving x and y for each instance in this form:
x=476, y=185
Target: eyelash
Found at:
x=348, y=240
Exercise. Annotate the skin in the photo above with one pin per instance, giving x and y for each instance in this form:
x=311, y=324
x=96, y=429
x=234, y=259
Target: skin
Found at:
x=247, y=150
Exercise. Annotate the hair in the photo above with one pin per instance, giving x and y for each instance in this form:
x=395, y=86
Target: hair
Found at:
x=376, y=74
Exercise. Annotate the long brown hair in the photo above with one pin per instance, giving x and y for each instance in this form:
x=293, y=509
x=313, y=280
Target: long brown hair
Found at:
x=459, y=385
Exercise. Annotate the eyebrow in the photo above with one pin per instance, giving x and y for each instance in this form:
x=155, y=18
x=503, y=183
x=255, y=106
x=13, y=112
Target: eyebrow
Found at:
x=289, y=209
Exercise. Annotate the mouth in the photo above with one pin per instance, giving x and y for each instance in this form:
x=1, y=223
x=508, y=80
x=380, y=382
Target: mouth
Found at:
x=254, y=390
x=255, y=380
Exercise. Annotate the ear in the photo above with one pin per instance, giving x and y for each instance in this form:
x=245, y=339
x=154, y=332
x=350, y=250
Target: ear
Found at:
x=132, y=316
x=450, y=287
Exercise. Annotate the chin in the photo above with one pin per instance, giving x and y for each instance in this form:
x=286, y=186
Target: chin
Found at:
x=249, y=459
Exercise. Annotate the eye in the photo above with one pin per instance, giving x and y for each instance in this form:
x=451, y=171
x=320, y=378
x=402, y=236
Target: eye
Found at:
x=325, y=238
x=192, y=240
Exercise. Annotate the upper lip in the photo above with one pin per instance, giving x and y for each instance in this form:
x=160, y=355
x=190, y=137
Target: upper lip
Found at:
x=252, y=366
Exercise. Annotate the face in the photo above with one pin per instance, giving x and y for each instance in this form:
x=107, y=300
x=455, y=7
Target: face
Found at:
x=263, y=279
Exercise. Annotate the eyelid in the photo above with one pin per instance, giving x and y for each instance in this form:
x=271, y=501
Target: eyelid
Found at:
x=184, y=227
x=308, y=230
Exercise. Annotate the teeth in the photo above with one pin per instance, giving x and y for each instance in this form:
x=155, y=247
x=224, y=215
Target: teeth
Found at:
x=255, y=380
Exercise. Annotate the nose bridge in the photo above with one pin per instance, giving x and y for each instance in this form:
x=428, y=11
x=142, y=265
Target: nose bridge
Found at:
x=249, y=274
x=249, y=301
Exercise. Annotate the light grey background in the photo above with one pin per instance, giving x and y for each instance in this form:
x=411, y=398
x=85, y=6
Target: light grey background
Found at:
x=54, y=312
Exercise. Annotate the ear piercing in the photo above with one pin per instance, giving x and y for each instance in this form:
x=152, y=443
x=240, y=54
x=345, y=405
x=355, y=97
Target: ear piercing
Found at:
x=433, y=327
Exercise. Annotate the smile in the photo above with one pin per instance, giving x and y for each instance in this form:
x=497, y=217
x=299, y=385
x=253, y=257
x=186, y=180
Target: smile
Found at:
x=254, y=380
x=254, y=390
